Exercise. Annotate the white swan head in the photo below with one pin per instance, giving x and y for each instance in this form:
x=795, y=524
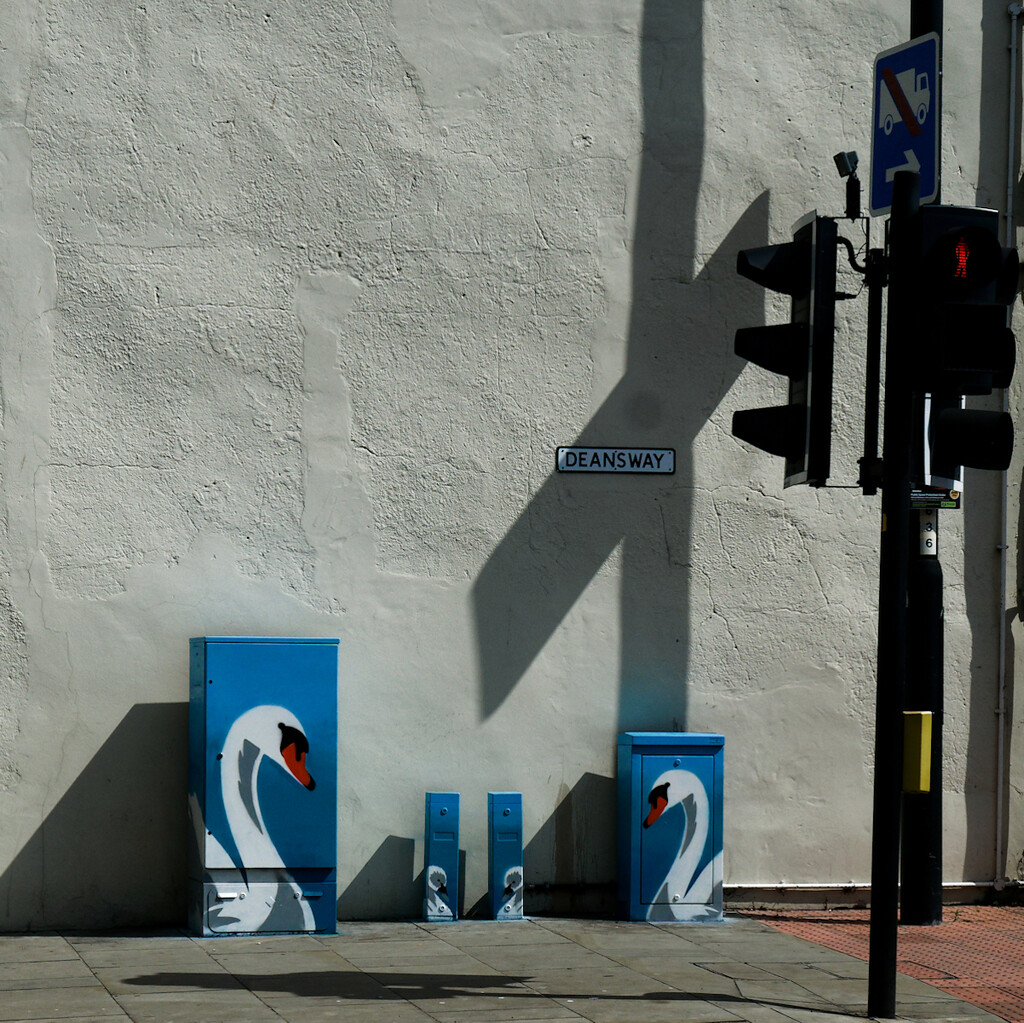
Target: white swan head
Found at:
x=277, y=733
x=676, y=786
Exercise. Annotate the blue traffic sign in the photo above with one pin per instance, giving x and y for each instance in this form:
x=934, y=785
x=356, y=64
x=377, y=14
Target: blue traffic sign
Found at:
x=905, y=124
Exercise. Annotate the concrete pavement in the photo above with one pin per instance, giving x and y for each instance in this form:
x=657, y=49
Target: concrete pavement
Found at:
x=539, y=969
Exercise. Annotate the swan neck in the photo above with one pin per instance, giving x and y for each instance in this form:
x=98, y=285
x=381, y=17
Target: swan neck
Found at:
x=242, y=807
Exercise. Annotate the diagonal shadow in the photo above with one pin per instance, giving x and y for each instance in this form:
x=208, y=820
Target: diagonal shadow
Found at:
x=679, y=365
x=112, y=851
x=385, y=986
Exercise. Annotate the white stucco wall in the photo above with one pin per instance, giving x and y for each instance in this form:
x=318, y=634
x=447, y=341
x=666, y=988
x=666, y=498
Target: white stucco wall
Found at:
x=296, y=302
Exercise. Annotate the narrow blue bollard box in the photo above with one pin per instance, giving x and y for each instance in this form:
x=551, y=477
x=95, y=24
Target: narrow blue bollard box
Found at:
x=441, y=857
x=670, y=826
x=505, y=854
x=263, y=793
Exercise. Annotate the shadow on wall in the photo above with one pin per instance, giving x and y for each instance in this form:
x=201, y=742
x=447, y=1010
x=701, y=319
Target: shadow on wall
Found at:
x=982, y=504
x=391, y=884
x=679, y=365
x=111, y=853
x=567, y=865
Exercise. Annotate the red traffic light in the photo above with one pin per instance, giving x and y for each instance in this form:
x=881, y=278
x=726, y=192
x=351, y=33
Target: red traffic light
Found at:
x=961, y=254
x=964, y=258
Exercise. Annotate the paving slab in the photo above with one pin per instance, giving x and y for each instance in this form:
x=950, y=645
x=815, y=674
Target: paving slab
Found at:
x=495, y=932
x=183, y=1007
x=49, y=973
x=347, y=985
x=660, y=1009
x=34, y=948
x=552, y=1013
x=469, y=972
x=597, y=982
x=522, y=958
x=135, y=980
x=53, y=1004
x=330, y=1010
x=248, y=945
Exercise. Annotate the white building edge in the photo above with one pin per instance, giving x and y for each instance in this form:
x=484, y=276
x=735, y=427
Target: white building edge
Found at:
x=297, y=302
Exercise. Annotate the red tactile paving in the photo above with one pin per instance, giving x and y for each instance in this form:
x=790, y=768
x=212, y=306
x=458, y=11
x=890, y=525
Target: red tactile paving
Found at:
x=976, y=953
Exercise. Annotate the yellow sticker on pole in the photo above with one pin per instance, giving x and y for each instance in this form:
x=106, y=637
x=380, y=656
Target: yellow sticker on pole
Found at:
x=917, y=751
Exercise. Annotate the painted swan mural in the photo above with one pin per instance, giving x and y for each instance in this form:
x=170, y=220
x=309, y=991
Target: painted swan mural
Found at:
x=257, y=891
x=685, y=894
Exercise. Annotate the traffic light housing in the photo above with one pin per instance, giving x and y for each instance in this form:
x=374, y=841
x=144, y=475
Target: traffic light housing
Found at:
x=962, y=287
x=801, y=430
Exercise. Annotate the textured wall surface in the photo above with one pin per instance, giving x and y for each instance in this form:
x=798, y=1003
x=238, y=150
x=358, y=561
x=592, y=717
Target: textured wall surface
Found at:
x=297, y=300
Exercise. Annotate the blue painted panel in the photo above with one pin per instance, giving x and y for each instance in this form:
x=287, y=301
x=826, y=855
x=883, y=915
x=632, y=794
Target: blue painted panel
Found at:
x=441, y=857
x=677, y=845
x=263, y=740
x=505, y=855
x=672, y=782
x=295, y=684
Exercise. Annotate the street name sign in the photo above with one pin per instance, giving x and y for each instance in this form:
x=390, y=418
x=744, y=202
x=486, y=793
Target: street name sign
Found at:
x=580, y=459
x=906, y=115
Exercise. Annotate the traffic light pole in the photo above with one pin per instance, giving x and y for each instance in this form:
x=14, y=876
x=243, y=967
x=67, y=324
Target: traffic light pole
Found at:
x=892, y=608
x=921, y=859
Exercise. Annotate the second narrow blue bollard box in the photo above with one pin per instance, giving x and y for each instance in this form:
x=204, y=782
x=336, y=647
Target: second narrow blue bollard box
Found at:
x=505, y=854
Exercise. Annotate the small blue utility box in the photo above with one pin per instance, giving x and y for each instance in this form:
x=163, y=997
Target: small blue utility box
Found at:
x=441, y=857
x=263, y=792
x=670, y=826
x=505, y=855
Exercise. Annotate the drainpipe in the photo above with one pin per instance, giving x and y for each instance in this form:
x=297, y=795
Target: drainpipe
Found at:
x=1014, y=10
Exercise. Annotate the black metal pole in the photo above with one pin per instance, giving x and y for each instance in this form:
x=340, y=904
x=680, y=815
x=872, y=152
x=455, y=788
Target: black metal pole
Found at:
x=892, y=608
x=921, y=875
x=926, y=16
x=871, y=464
x=921, y=860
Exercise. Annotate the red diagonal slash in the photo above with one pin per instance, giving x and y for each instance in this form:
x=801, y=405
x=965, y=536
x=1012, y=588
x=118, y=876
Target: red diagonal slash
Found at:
x=901, y=101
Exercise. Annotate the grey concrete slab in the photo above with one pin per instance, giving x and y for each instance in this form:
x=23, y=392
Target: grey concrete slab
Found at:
x=332, y=1010
x=140, y=956
x=34, y=948
x=58, y=1003
x=740, y=971
x=49, y=973
x=606, y=981
x=789, y=950
x=79, y=1019
x=685, y=976
x=628, y=939
x=520, y=958
x=382, y=948
x=475, y=1004
x=495, y=932
x=276, y=963
x=661, y=1009
x=442, y=966
x=136, y=980
x=552, y=1013
x=164, y=939
x=375, y=930
x=185, y=1007
x=754, y=1012
x=489, y=972
x=247, y=944
x=347, y=985
x=784, y=995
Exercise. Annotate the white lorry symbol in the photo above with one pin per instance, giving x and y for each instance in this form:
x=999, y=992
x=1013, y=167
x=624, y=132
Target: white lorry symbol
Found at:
x=919, y=96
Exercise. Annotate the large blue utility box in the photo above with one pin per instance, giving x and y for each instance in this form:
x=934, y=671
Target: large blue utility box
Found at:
x=263, y=755
x=670, y=826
